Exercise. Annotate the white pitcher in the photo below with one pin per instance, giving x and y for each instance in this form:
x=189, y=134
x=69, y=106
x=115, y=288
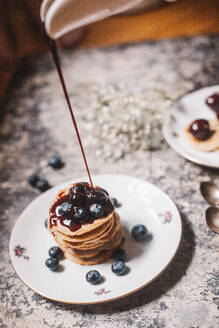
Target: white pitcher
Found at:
x=62, y=16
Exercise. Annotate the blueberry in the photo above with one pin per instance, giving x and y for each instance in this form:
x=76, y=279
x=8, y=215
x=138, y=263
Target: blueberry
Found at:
x=95, y=196
x=93, y=277
x=119, y=268
x=46, y=223
x=115, y=202
x=77, y=197
x=69, y=223
x=79, y=188
x=103, y=190
x=80, y=214
x=42, y=184
x=65, y=208
x=139, y=232
x=52, y=263
x=100, y=195
x=96, y=210
x=55, y=162
x=119, y=254
x=56, y=252
x=103, y=197
x=33, y=180
x=58, y=210
x=77, y=192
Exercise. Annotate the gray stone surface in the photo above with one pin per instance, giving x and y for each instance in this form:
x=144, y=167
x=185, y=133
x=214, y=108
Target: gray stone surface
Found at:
x=35, y=125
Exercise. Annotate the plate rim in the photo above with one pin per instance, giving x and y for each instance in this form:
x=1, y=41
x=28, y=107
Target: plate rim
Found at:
x=113, y=298
x=182, y=153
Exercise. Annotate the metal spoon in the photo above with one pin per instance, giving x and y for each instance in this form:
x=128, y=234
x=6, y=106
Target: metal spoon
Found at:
x=212, y=218
x=210, y=192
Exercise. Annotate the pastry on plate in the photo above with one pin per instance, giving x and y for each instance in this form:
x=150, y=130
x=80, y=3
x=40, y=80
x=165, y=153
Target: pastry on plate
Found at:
x=203, y=135
x=85, y=225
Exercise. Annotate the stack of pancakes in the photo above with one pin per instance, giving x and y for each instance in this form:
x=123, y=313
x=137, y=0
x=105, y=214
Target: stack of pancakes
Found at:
x=92, y=243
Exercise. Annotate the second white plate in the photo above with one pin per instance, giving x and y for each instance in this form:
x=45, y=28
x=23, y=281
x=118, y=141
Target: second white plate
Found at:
x=186, y=110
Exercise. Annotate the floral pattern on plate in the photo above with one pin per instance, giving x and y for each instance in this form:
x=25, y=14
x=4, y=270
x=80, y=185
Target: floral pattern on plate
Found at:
x=167, y=216
x=20, y=252
x=102, y=291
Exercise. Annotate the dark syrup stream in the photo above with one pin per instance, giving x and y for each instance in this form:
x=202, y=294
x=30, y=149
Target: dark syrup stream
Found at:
x=54, y=52
x=89, y=191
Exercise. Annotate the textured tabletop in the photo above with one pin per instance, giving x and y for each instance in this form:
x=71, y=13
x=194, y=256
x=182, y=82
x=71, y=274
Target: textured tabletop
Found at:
x=36, y=125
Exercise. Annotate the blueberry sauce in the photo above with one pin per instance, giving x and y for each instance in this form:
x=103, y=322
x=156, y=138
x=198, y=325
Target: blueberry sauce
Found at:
x=82, y=204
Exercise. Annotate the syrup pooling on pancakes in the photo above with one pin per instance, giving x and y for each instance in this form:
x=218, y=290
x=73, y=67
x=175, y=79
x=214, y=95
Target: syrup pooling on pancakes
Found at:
x=82, y=204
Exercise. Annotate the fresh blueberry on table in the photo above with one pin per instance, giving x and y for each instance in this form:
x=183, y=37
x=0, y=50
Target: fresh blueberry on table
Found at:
x=116, y=203
x=96, y=210
x=56, y=252
x=33, y=180
x=46, y=223
x=93, y=277
x=119, y=268
x=52, y=263
x=139, y=232
x=55, y=162
x=80, y=214
x=42, y=184
x=119, y=254
x=65, y=208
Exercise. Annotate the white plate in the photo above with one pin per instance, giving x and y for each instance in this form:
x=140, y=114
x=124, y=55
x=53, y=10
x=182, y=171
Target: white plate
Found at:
x=142, y=203
x=186, y=110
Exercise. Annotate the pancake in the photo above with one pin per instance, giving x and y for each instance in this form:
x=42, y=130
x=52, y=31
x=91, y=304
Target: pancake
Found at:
x=84, y=228
x=102, y=257
x=94, y=240
x=91, y=235
x=99, y=241
x=208, y=145
x=111, y=244
x=87, y=236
